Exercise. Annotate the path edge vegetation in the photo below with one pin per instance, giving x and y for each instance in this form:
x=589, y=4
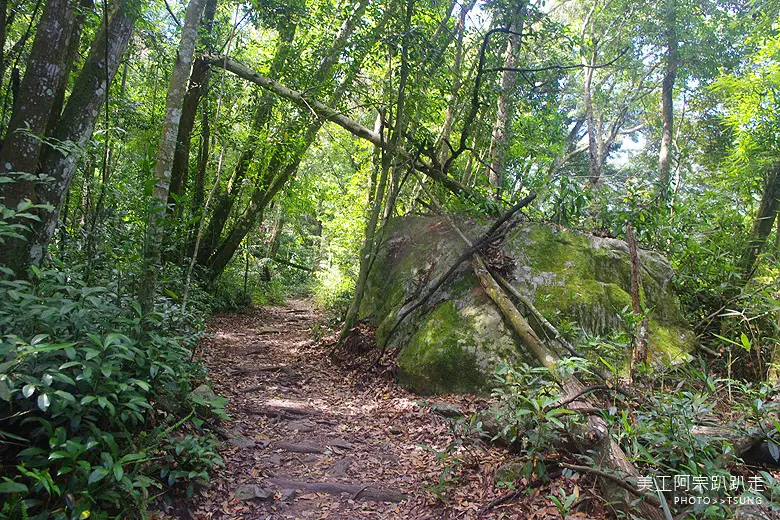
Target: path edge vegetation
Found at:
x=101, y=393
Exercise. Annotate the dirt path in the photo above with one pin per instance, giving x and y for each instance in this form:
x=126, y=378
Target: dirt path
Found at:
x=312, y=440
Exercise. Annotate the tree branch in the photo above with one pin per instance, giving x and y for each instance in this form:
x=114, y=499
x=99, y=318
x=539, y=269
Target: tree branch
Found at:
x=331, y=114
x=561, y=67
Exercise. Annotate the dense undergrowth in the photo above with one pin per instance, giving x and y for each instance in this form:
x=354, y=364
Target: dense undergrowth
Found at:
x=98, y=413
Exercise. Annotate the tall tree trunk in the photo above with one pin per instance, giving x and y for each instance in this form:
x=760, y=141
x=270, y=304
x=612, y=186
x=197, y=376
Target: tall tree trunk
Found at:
x=4, y=22
x=271, y=184
x=74, y=42
x=197, y=86
x=765, y=219
x=216, y=258
x=45, y=72
x=162, y=173
x=79, y=116
x=500, y=137
x=223, y=204
x=667, y=103
x=594, y=159
x=199, y=190
x=367, y=250
x=276, y=236
x=387, y=163
x=457, y=83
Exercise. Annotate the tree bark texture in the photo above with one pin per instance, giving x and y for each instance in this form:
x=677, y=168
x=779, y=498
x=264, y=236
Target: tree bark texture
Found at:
x=166, y=149
x=500, y=137
x=667, y=101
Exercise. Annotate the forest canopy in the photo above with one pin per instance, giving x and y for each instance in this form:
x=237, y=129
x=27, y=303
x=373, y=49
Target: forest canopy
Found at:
x=164, y=160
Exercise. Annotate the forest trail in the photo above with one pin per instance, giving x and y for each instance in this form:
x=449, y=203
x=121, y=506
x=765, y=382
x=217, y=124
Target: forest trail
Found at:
x=360, y=441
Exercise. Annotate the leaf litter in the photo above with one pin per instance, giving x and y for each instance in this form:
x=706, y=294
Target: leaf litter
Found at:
x=316, y=437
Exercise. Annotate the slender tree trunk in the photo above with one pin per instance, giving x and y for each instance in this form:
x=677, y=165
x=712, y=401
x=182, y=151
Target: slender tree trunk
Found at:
x=594, y=161
x=667, y=101
x=457, y=83
x=170, y=129
x=639, y=353
x=224, y=201
x=197, y=209
x=500, y=137
x=367, y=250
x=79, y=116
x=276, y=237
x=278, y=171
x=390, y=171
x=762, y=225
x=46, y=70
x=4, y=22
x=197, y=86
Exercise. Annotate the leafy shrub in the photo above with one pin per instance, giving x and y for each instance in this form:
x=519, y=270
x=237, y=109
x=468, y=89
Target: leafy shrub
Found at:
x=526, y=410
x=87, y=385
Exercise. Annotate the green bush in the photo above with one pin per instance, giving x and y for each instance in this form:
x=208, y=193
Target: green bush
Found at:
x=88, y=427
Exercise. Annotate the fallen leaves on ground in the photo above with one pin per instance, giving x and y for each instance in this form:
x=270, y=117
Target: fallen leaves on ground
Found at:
x=299, y=417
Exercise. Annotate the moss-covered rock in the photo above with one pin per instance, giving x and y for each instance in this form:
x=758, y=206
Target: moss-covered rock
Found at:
x=453, y=343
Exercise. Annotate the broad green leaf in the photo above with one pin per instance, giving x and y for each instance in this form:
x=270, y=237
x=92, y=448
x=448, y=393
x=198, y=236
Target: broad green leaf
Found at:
x=44, y=401
x=97, y=475
x=12, y=487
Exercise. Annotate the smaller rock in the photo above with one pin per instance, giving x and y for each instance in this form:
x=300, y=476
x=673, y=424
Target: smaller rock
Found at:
x=509, y=472
x=340, y=443
x=252, y=491
x=242, y=442
x=275, y=460
x=287, y=494
x=239, y=439
x=301, y=426
x=488, y=419
x=204, y=392
x=453, y=411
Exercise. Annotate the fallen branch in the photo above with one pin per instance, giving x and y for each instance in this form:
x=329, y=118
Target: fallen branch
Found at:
x=576, y=396
x=487, y=237
x=299, y=448
x=356, y=491
x=293, y=265
x=331, y=114
x=740, y=441
x=528, y=304
x=619, y=480
x=593, y=435
x=508, y=497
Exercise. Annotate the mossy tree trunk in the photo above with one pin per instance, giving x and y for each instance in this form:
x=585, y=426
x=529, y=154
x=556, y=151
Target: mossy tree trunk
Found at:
x=197, y=86
x=78, y=119
x=764, y=221
x=166, y=149
x=33, y=105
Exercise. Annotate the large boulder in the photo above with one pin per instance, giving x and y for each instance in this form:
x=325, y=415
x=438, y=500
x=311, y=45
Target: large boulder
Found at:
x=454, y=342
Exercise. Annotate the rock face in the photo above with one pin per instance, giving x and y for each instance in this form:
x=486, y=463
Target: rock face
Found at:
x=454, y=342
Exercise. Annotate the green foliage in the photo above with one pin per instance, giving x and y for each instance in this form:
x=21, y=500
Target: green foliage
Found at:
x=528, y=413
x=87, y=386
